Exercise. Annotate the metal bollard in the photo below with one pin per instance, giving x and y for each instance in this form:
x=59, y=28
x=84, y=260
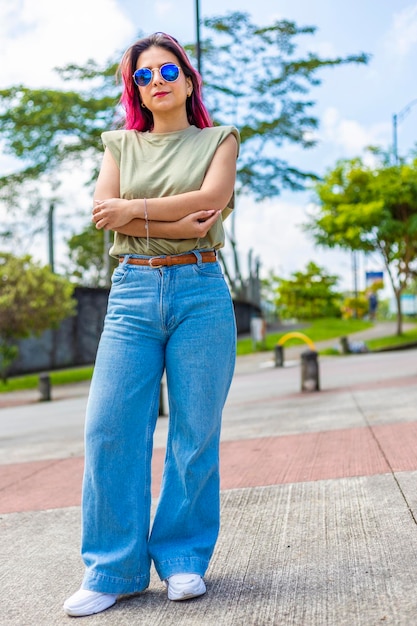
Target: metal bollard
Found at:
x=279, y=355
x=45, y=387
x=309, y=371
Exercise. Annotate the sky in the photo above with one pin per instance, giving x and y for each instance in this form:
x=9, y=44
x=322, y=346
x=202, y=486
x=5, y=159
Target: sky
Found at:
x=354, y=104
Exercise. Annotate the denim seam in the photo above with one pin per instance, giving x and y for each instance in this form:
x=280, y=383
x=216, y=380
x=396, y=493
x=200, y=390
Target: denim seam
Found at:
x=181, y=559
x=116, y=579
x=181, y=565
x=150, y=428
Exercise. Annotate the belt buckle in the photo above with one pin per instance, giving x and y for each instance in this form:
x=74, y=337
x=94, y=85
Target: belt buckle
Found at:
x=150, y=262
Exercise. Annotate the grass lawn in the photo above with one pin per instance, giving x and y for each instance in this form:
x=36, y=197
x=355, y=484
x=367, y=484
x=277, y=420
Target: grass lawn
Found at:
x=318, y=330
x=409, y=336
x=61, y=377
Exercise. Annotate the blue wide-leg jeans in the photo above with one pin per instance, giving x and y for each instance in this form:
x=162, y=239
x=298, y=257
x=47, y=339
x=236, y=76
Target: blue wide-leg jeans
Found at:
x=179, y=319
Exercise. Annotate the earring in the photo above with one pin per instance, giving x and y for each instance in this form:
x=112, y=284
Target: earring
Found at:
x=142, y=105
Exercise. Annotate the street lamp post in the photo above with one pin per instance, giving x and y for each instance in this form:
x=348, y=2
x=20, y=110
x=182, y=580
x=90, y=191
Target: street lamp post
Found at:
x=396, y=119
x=51, y=236
x=198, y=44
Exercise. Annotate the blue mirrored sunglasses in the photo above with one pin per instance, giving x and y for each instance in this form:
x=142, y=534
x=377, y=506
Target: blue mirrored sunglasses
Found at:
x=168, y=71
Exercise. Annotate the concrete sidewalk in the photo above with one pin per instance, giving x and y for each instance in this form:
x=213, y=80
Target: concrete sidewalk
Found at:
x=319, y=502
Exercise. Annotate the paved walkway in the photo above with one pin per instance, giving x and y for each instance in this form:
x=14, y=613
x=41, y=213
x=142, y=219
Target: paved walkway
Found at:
x=319, y=501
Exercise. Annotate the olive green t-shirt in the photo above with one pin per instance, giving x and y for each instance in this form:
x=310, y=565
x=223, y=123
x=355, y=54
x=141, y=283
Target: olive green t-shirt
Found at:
x=156, y=165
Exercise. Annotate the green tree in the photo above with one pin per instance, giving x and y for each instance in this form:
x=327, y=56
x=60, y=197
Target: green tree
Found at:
x=32, y=300
x=355, y=306
x=373, y=209
x=263, y=88
x=308, y=295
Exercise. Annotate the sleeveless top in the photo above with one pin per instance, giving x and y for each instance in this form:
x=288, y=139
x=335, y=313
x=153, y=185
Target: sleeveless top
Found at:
x=155, y=165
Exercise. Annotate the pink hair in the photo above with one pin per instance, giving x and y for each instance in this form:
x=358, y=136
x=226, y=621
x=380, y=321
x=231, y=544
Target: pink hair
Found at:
x=139, y=118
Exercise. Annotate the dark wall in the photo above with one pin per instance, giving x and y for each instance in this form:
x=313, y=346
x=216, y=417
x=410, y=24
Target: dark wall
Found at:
x=244, y=312
x=75, y=341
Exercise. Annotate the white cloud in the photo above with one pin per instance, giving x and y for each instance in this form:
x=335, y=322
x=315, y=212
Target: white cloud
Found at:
x=38, y=35
x=351, y=136
x=403, y=35
x=272, y=230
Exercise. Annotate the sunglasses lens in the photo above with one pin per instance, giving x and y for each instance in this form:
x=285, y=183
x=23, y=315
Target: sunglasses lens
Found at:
x=170, y=72
x=142, y=77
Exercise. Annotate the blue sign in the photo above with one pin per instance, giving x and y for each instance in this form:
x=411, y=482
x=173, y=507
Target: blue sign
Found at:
x=374, y=277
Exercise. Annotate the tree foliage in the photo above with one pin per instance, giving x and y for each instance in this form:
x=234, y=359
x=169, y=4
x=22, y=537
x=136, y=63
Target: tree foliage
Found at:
x=45, y=128
x=308, y=294
x=263, y=87
x=52, y=133
x=373, y=209
x=32, y=300
x=254, y=78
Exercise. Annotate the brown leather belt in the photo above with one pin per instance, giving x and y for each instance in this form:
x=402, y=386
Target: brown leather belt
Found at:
x=176, y=259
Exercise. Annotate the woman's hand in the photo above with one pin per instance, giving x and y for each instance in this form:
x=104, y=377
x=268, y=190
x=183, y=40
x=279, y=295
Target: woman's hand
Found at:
x=112, y=213
x=195, y=225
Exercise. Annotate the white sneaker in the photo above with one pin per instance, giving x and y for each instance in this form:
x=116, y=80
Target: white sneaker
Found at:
x=85, y=602
x=185, y=586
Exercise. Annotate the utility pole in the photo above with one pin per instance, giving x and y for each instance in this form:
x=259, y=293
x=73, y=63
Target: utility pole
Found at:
x=395, y=138
x=396, y=119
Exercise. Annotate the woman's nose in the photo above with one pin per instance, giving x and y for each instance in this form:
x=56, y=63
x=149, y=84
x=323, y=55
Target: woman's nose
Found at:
x=156, y=76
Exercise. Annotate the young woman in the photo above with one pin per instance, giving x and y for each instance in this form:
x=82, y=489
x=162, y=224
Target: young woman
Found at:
x=165, y=186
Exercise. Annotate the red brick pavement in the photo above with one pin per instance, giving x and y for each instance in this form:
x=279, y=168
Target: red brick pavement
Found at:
x=264, y=461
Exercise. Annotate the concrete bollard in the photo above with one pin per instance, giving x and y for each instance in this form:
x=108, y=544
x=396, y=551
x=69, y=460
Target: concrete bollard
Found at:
x=163, y=399
x=279, y=355
x=310, y=371
x=45, y=387
x=257, y=331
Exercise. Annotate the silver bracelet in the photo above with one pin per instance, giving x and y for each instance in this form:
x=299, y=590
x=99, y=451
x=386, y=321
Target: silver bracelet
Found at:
x=146, y=223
